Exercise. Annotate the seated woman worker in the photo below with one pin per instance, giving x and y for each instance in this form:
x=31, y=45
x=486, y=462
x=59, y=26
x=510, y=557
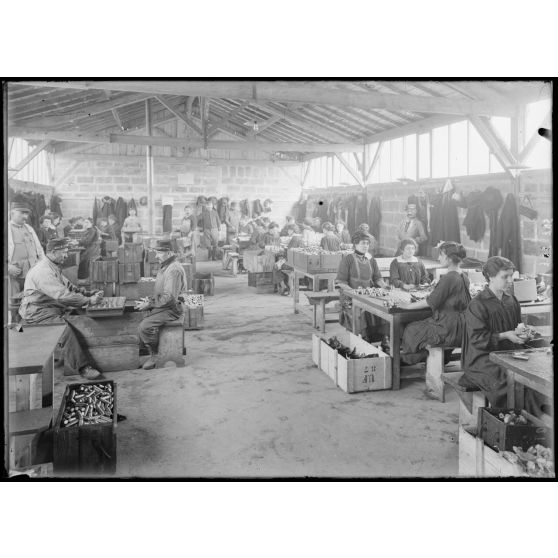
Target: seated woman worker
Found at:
x=330, y=241
x=407, y=271
x=358, y=269
x=493, y=323
x=448, y=301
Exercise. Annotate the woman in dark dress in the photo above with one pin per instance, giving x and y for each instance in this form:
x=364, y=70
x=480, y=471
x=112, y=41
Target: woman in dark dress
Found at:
x=342, y=232
x=407, y=271
x=92, y=244
x=493, y=323
x=448, y=301
x=329, y=240
x=358, y=269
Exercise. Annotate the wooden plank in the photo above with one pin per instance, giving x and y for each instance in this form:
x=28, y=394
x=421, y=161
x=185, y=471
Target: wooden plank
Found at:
x=323, y=93
x=349, y=169
x=215, y=126
x=23, y=391
x=374, y=162
x=30, y=421
x=26, y=160
x=23, y=370
x=185, y=118
x=535, y=138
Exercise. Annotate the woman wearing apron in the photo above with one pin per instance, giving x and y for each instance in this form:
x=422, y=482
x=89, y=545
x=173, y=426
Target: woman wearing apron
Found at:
x=358, y=269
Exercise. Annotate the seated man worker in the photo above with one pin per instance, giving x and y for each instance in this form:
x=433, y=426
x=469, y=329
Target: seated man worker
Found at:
x=48, y=296
x=164, y=306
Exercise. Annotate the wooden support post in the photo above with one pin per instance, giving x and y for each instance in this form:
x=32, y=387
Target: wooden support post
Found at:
x=30, y=156
x=364, y=165
x=306, y=173
x=149, y=169
x=374, y=161
x=349, y=169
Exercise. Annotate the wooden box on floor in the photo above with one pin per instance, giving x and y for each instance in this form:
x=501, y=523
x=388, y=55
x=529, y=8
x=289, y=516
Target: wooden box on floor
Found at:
x=193, y=317
x=88, y=449
x=115, y=357
x=328, y=361
x=478, y=460
x=263, y=278
x=129, y=272
x=364, y=374
x=130, y=252
x=503, y=437
x=104, y=270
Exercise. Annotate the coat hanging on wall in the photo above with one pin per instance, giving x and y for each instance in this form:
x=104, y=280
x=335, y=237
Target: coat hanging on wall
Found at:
x=508, y=238
x=491, y=202
x=475, y=221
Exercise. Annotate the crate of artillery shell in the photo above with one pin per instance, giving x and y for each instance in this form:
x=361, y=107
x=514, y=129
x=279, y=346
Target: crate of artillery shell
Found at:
x=130, y=252
x=85, y=429
x=317, y=263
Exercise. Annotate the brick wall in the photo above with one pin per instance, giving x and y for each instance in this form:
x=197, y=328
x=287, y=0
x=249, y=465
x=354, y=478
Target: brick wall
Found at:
x=184, y=182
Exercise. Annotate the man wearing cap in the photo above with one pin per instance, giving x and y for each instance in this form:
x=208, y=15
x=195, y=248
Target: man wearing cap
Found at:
x=411, y=227
x=48, y=295
x=24, y=247
x=164, y=306
x=210, y=224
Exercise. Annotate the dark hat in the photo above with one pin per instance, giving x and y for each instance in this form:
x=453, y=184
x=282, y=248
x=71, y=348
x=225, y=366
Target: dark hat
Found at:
x=360, y=235
x=163, y=245
x=21, y=207
x=56, y=244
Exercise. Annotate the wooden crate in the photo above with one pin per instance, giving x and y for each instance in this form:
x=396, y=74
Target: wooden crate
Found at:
x=193, y=317
x=204, y=283
x=316, y=349
x=88, y=449
x=258, y=261
x=129, y=272
x=130, y=252
x=265, y=289
x=104, y=270
x=263, y=278
x=364, y=374
x=502, y=437
x=328, y=361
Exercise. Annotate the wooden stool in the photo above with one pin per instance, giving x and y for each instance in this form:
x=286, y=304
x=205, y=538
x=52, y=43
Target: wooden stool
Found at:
x=434, y=370
x=171, y=343
x=470, y=398
x=321, y=299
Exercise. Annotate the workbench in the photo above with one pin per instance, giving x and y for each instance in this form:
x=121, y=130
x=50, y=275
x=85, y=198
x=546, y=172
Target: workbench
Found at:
x=298, y=274
x=321, y=299
x=397, y=318
x=537, y=373
x=543, y=307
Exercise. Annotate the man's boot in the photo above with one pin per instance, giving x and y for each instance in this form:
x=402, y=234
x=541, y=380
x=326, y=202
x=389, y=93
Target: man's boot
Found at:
x=151, y=362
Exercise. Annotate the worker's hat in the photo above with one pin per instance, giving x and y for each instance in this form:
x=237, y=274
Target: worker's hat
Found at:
x=163, y=245
x=20, y=207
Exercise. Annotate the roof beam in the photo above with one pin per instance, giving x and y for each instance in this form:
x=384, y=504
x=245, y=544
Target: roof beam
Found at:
x=186, y=119
x=295, y=92
x=215, y=126
x=349, y=169
x=84, y=112
x=534, y=139
x=30, y=156
x=374, y=162
x=417, y=127
x=495, y=143
x=181, y=142
x=180, y=160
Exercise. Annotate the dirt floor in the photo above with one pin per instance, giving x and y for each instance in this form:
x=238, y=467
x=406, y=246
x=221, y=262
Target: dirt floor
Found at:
x=250, y=403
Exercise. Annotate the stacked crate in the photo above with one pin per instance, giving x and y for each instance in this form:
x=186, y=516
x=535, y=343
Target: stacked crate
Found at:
x=150, y=264
x=103, y=274
x=193, y=311
x=130, y=257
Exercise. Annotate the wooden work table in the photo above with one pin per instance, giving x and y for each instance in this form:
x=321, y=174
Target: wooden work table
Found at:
x=298, y=274
x=537, y=373
x=396, y=317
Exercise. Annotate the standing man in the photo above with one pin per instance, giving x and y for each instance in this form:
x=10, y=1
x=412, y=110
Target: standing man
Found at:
x=24, y=247
x=411, y=227
x=210, y=224
x=48, y=295
x=164, y=305
x=233, y=222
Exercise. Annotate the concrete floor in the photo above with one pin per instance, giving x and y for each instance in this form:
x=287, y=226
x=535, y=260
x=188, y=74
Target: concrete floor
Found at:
x=250, y=403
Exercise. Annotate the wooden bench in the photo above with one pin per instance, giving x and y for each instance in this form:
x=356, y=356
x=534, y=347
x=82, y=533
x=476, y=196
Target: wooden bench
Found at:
x=171, y=343
x=321, y=299
x=471, y=398
x=435, y=368
x=30, y=362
